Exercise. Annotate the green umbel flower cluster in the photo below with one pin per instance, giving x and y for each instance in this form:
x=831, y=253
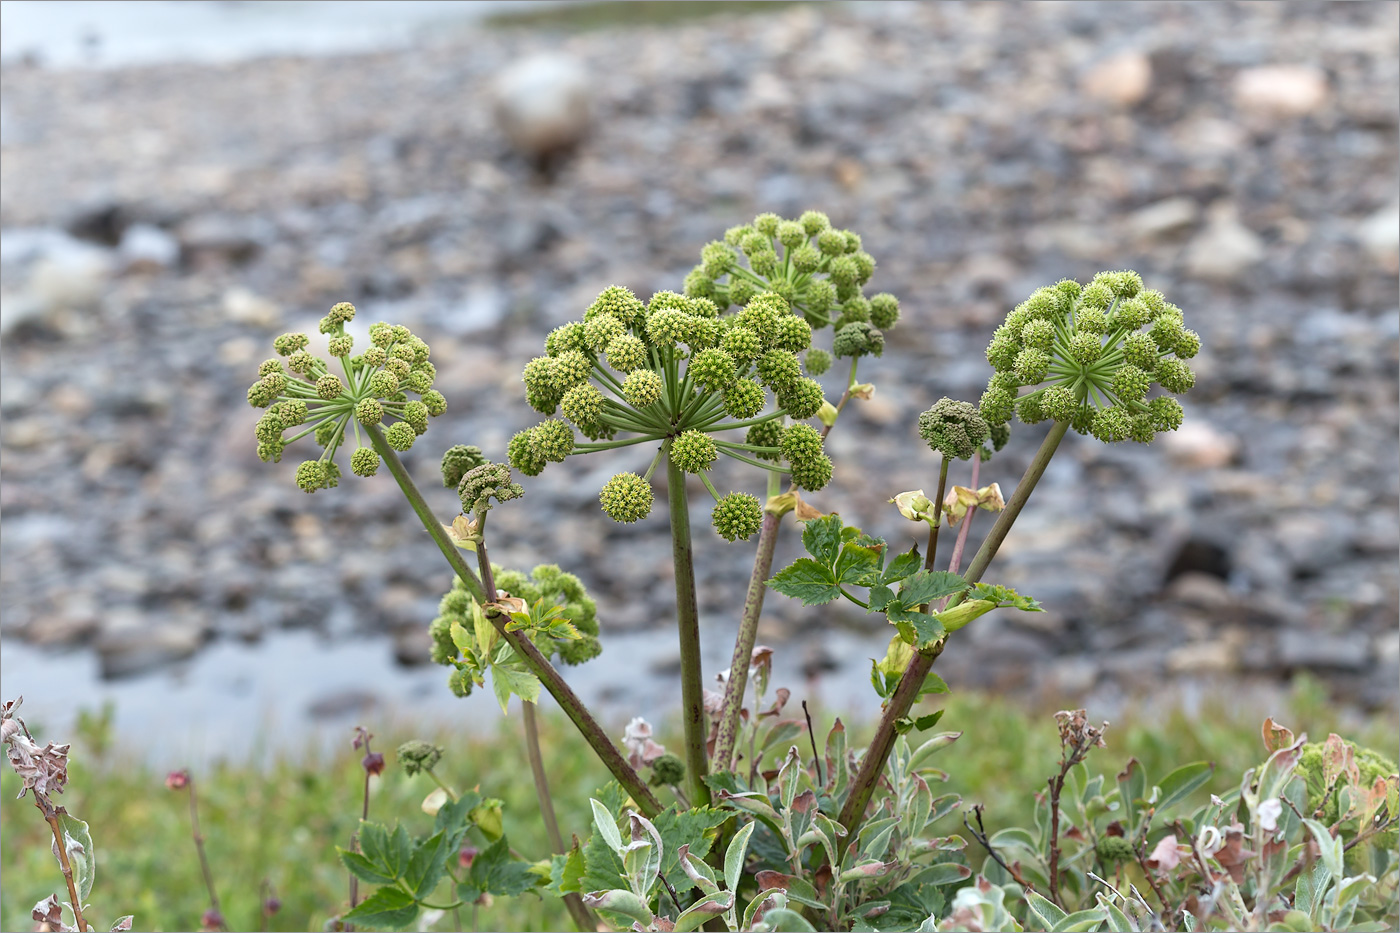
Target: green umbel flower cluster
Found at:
x=954, y=429
x=481, y=484
x=1090, y=355
x=676, y=372
x=300, y=392
x=546, y=582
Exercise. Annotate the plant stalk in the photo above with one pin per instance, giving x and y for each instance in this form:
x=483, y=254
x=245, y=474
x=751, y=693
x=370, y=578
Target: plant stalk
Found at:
x=937, y=504
x=688, y=622
x=955, y=561
x=743, y=645
x=51, y=817
x=203, y=859
x=910, y=685
x=559, y=689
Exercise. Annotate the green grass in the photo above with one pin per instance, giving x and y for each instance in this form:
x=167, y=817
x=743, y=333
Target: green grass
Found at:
x=281, y=821
x=580, y=17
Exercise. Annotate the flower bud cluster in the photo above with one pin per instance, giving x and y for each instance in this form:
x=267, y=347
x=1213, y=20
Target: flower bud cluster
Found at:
x=546, y=582
x=1091, y=355
x=371, y=392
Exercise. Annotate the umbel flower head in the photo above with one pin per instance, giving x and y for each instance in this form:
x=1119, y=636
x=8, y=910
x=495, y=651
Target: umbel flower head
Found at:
x=1090, y=355
x=371, y=392
x=546, y=582
x=677, y=373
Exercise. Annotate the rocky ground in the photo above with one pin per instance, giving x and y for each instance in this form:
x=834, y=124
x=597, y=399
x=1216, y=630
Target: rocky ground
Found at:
x=162, y=224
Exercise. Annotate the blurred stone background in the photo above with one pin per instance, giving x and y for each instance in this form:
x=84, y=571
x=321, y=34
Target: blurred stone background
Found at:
x=162, y=222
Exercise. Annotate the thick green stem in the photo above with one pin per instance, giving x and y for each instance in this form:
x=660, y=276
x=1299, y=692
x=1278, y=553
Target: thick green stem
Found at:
x=743, y=644
x=911, y=685
x=688, y=622
x=563, y=694
x=937, y=504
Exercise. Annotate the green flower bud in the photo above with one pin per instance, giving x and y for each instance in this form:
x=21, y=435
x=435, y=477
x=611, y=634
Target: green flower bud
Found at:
x=803, y=399
x=1097, y=295
x=713, y=369
x=326, y=432
x=1086, y=348
x=570, y=369
x=626, y=498
x=764, y=263
x=742, y=344
x=269, y=366
x=820, y=297
x=800, y=442
x=369, y=411
x=793, y=333
x=269, y=428
x=416, y=756
x=996, y=405
x=522, y=455
x=667, y=327
x=1001, y=433
x=736, y=516
x=865, y=266
x=401, y=334
x=300, y=361
x=443, y=651
x=818, y=361
x=1059, y=403
x=341, y=312
x=311, y=476
x=831, y=242
x=743, y=399
x=856, y=310
x=812, y=474
x=884, y=310
x=716, y=259
x=741, y=292
x=1154, y=300
x=329, y=386
x=328, y=326
x=1187, y=345
x=1166, y=413
x=271, y=451
x=1130, y=383
x=954, y=429
x=381, y=335
x=1125, y=284
x=766, y=434
x=667, y=770
x=382, y=384
x=1141, y=429
x=767, y=224
x=735, y=235
x=601, y=330
x=374, y=356
x=435, y=402
x=1174, y=376
x=814, y=222
x=704, y=308
x=541, y=390
x=364, y=461
x=1082, y=421
x=791, y=234
x=697, y=284
x=856, y=340
x=1112, y=424
x=852, y=241
x=626, y=353
x=1039, y=334
x=458, y=459
x=489, y=481
x=460, y=683
x=845, y=271
x=755, y=243
x=620, y=303
x=403, y=351
x=400, y=435
x=553, y=440
x=568, y=337
x=341, y=345
x=287, y=344
x=580, y=650
x=779, y=369
x=1114, y=849
x=1002, y=353
x=399, y=368
x=1090, y=321
x=805, y=259
x=694, y=452
x=704, y=332
x=642, y=387
x=291, y=412
x=1167, y=331
x=1140, y=350
x=583, y=404
x=416, y=414
x=1131, y=314
x=265, y=391
x=1032, y=365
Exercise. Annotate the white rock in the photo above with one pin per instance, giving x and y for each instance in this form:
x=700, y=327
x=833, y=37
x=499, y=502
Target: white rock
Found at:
x=1380, y=234
x=55, y=276
x=1225, y=248
x=1123, y=79
x=1281, y=90
x=243, y=306
x=148, y=246
x=1200, y=445
x=542, y=103
x=1164, y=217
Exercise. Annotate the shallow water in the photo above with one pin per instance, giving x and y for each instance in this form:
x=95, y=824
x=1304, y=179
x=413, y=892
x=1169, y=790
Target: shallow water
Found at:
x=96, y=33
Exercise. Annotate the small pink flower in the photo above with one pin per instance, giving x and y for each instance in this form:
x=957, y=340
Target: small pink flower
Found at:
x=177, y=780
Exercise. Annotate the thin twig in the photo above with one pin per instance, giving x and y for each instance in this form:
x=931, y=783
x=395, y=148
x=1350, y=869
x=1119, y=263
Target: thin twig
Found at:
x=671, y=891
x=811, y=734
x=980, y=834
x=51, y=814
x=203, y=859
x=1138, y=851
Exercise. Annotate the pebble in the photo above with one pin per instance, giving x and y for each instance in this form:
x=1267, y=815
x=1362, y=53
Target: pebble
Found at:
x=1164, y=218
x=1123, y=79
x=1281, y=90
x=1225, y=249
x=542, y=103
x=1199, y=445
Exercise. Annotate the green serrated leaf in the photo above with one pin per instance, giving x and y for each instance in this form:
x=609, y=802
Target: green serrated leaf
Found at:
x=694, y=828
x=374, y=843
x=1004, y=596
x=572, y=874
x=427, y=864
x=807, y=580
x=507, y=679
x=928, y=585
x=904, y=565
x=856, y=565
x=924, y=723
x=822, y=538
x=388, y=907
x=362, y=868
x=495, y=871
